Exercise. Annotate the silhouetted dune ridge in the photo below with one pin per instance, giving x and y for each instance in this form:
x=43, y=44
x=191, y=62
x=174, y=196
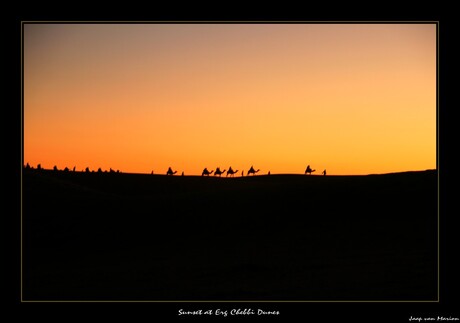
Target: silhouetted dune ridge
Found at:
x=90, y=236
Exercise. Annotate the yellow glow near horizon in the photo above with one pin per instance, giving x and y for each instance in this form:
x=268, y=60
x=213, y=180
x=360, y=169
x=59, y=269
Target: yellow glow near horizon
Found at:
x=352, y=99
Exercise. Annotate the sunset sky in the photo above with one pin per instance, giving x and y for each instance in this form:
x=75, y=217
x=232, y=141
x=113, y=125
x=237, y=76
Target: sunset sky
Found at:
x=349, y=98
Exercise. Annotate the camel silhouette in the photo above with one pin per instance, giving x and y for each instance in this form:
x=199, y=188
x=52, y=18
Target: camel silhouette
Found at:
x=170, y=171
x=231, y=172
x=309, y=170
x=206, y=172
x=252, y=171
x=218, y=172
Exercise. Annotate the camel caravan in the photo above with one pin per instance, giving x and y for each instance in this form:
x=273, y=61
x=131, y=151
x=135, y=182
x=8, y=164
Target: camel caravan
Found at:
x=219, y=172
x=170, y=172
x=73, y=170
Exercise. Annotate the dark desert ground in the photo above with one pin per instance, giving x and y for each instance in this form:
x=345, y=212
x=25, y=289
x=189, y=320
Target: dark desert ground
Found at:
x=91, y=236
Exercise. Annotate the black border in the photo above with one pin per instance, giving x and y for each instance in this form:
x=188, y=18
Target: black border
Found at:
x=313, y=312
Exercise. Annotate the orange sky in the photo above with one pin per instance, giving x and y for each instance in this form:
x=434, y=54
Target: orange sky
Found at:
x=349, y=98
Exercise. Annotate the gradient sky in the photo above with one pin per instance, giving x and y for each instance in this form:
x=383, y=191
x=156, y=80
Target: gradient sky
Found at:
x=349, y=98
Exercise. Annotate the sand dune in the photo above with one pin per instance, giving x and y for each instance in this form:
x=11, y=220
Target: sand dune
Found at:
x=278, y=237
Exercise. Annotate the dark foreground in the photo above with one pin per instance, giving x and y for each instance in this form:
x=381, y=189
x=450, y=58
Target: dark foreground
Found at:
x=279, y=237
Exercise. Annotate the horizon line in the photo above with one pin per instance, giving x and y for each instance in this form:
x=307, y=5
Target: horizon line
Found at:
x=118, y=172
